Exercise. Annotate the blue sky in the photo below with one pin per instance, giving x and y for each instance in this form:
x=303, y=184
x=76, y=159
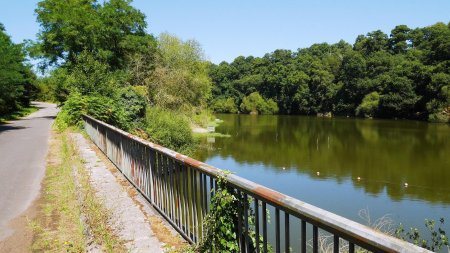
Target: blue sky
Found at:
x=227, y=29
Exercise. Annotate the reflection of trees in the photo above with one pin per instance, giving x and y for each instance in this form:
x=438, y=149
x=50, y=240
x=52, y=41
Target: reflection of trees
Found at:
x=385, y=154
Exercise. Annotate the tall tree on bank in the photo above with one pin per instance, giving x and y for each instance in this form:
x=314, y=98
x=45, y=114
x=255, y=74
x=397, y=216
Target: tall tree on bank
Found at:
x=15, y=76
x=112, y=31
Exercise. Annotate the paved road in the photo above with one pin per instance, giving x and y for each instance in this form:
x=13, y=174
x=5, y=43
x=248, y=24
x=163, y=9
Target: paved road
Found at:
x=23, y=149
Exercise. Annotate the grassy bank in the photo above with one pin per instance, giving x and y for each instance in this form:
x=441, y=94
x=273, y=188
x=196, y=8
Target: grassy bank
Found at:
x=66, y=196
x=22, y=112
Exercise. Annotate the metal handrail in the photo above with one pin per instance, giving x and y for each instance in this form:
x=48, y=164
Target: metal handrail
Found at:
x=177, y=186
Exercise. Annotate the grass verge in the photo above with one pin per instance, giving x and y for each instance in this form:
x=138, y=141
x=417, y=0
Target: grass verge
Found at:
x=22, y=112
x=67, y=195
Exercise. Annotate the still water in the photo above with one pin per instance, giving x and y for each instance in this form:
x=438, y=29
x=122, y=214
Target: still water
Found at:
x=342, y=165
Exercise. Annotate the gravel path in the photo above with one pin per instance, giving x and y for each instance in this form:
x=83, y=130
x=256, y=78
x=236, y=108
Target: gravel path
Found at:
x=130, y=222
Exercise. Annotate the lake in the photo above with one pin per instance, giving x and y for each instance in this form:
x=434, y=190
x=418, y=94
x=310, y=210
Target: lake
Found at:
x=342, y=165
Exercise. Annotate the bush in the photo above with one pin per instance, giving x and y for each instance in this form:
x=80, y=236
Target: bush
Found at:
x=99, y=107
x=169, y=129
x=224, y=105
x=255, y=103
x=133, y=102
x=107, y=110
x=70, y=114
x=369, y=105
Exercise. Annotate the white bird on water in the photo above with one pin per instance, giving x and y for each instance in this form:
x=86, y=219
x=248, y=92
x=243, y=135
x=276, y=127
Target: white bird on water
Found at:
x=406, y=184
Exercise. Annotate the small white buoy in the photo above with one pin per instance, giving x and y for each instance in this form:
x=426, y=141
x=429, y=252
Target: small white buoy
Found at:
x=284, y=168
x=406, y=184
x=359, y=178
x=318, y=173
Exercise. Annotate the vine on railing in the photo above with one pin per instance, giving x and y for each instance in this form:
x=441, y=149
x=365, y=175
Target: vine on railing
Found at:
x=221, y=225
x=438, y=238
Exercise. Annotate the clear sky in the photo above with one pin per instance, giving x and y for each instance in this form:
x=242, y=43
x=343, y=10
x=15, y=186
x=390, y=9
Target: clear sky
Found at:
x=229, y=28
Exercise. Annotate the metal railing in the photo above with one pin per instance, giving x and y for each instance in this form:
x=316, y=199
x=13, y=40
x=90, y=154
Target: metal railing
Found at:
x=181, y=188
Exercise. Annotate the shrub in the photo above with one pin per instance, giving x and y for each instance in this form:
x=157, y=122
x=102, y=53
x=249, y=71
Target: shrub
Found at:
x=255, y=103
x=70, y=114
x=224, y=105
x=107, y=110
x=169, y=129
x=99, y=107
x=133, y=102
x=369, y=105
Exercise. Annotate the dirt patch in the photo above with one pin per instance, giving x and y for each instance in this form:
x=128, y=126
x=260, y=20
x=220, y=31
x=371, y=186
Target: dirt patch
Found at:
x=22, y=238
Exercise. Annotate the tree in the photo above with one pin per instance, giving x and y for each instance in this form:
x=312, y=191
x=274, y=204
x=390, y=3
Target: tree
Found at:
x=15, y=76
x=398, y=40
x=180, y=80
x=113, y=31
x=369, y=105
x=397, y=98
x=373, y=42
x=255, y=104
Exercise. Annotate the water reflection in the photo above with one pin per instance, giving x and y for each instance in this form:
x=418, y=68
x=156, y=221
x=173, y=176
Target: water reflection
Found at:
x=384, y=154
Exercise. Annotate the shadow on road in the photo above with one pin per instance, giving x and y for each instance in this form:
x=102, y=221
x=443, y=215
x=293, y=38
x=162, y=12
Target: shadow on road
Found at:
x=46, y=117
x=10, y=128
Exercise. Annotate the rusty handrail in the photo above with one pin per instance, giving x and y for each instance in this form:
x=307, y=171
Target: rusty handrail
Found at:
x=355, y=233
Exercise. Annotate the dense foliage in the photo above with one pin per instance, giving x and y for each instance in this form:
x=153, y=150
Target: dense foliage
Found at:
x=16, y=77
x=404, y=75
x=105, y=64
x=221, y=226
x=169, y=129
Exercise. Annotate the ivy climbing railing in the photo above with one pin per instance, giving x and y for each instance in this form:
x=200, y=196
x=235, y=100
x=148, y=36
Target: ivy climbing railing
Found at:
x=181, y=189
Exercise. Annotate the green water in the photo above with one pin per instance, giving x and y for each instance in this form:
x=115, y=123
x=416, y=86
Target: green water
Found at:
x=319, y=161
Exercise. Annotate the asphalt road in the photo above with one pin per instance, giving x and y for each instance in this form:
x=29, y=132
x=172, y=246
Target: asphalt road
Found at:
x=23, y=150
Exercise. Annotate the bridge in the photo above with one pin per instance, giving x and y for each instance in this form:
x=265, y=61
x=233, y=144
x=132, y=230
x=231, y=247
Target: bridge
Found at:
x=181, y=188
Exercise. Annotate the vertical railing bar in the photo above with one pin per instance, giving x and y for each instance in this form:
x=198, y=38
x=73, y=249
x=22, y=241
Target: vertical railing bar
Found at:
x=178, y=190
x=257, y=225
x=191, y=205
x=200, y=203
x=351, y=247
x=336, y=244
x=205, y=196
x=171, y=186
x=303, y=235
x=186, y=206
x=264, y=221
x=246, y=225
x=152, y=176
x=239, y=236
x=315, y=239
x=286, y=232
x=211, y=186
x=196, y=225
x=277, y=229
x=166, y=175
x=181, y=194
x=158, y=180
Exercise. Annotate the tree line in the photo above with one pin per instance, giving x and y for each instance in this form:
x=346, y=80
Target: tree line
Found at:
x=402, y=75
x=16, y=77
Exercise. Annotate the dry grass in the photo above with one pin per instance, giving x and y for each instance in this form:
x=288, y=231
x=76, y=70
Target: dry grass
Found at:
x=384, y=224
x=67, y=196
x=58, y=227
